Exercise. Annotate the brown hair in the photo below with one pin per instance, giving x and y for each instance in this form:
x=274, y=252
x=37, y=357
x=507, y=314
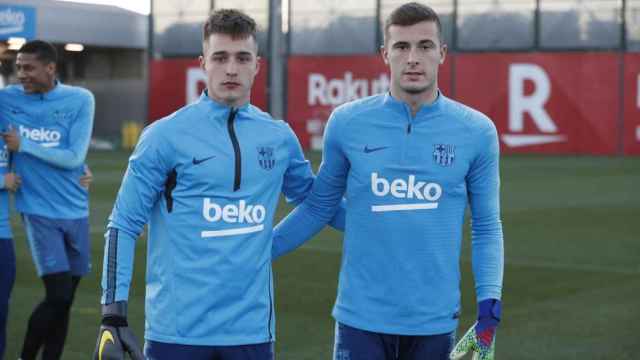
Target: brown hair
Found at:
x=230, y=22
x=411, y=14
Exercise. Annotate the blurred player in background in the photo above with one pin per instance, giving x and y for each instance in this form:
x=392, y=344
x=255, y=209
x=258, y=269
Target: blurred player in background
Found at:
x=49, y=132
x=408, y=162
x=9, y=181
x=207, y=181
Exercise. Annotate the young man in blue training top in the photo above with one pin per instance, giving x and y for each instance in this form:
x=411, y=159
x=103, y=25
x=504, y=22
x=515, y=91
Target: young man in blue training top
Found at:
x=408, y=162
x=49, y=130
x=9, y=181
x=206, y=179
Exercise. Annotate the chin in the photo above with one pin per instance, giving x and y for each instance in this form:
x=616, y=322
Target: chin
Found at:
x=415, y=90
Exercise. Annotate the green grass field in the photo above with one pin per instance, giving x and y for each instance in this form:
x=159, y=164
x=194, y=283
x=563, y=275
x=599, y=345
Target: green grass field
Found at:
x=572, y=274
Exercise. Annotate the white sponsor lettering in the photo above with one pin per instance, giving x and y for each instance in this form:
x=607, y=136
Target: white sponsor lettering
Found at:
x=45, y=137
x=195, y=77
x=399, y=188
x=231, y=232
x=242, y=213
x=405, y=189
x=11, y=21
x=323, y=91
x=401, y=207
x=231, y=213
x=533, y=104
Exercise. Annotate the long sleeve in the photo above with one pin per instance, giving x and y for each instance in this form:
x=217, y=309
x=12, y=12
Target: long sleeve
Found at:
x=299, y=178
x=486, y=227
x=323, y=201
x=79, y=139
x=142, y=184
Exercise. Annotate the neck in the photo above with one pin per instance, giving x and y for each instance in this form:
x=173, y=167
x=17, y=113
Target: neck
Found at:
x=415, y=100
x=235, y=103
x=45, y=89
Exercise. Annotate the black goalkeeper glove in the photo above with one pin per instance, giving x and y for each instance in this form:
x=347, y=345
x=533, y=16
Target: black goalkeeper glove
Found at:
x=115, y=337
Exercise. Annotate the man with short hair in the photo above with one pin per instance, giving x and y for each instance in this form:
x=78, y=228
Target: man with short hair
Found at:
x=408, y=162
x=206, y=179
x=48, y=133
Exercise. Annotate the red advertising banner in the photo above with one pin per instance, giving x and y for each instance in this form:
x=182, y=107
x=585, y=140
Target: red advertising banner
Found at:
x=545, y=103
x=176, y=82
x=632, y=104
x=318, y=84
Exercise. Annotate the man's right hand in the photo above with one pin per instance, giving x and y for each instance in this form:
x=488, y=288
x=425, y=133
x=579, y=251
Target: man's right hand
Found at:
x=115, y=337
x=12, y=181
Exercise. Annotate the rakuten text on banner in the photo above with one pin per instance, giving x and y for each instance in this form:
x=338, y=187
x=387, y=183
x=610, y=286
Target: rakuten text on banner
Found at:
x=177, y=82
x=632, y=104
x=561, y=103
x=318, y=84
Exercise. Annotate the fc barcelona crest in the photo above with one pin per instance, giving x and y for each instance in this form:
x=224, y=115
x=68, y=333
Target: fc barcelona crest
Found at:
x=266, y=158
x=444, y=154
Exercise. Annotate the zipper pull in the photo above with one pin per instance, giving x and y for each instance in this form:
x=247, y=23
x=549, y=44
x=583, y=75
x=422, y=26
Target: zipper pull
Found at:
x=409, y=128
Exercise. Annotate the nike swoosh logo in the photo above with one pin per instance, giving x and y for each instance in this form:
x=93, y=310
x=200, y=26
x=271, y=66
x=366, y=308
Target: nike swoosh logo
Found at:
x=106, y=336
x=370, y=150
x=200, y=161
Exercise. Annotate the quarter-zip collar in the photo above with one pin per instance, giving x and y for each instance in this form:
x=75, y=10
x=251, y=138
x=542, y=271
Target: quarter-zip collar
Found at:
x=219, y=107
x=54, y=93
x=228, y=115
x=425, y=111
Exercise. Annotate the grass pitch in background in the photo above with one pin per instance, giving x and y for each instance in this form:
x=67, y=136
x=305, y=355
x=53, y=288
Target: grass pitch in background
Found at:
x=572, y=273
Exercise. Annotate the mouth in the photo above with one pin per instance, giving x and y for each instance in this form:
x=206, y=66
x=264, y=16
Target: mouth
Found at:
x=413, y=73
x=230, y=84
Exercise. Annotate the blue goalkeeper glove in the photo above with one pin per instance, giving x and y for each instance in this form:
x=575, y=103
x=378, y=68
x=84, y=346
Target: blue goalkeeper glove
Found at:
x=115, y=337
x=481, y=337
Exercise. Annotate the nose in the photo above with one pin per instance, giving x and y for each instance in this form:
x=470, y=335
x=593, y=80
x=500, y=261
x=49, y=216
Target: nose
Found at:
x=231, y=68
x=412, y=58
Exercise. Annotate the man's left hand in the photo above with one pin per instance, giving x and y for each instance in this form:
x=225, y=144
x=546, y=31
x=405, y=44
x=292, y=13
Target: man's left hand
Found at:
x=12, y=139
x=87, y=178
x=480, y=339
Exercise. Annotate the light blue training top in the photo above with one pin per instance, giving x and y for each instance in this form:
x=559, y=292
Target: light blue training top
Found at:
x=207, y=180
x=407, y=182
x=55, y=132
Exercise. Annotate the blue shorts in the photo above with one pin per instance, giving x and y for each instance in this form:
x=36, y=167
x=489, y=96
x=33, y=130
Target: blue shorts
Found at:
x=154, y=350
x=58, y=245
x=356, y=344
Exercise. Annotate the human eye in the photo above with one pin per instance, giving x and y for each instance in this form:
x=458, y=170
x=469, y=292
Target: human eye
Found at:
x=427, y=45
x=401, y=46
x=244, y=58
x=218, y=58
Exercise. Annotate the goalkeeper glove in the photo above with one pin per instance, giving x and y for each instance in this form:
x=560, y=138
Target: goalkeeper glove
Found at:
x=480, y=339
x=115, y=337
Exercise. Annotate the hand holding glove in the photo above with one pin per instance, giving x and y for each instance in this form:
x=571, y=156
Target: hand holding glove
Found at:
x=480, y=338
x=115, y=337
